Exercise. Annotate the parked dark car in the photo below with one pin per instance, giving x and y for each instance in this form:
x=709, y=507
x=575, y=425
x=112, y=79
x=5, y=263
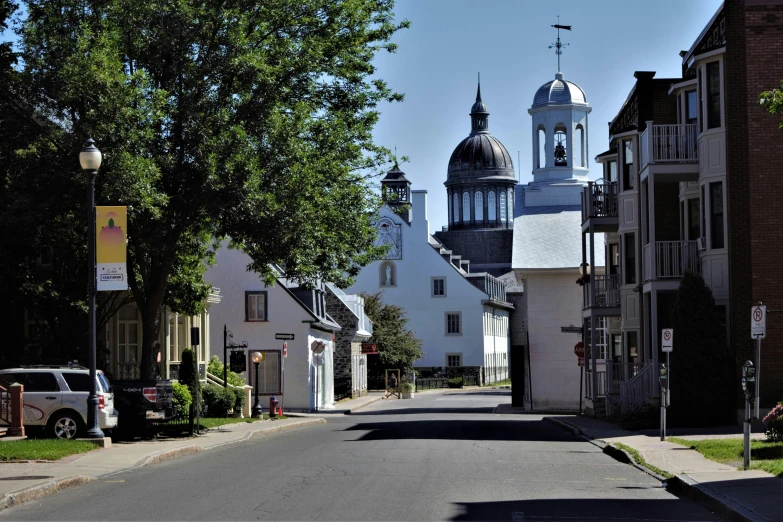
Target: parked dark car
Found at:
x=141, y=403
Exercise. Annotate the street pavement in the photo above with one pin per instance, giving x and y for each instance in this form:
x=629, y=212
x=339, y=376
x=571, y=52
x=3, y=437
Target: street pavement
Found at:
x=439, y=456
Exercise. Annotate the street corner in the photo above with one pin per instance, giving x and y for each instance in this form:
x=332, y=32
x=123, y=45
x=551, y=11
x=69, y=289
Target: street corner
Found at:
x=31, y=493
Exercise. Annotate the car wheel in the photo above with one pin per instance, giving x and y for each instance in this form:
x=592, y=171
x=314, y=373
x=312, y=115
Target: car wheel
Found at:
x=66, y=425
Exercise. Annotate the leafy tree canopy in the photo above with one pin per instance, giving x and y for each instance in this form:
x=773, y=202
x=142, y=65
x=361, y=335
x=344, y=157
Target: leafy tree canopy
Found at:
x=243, y=119
x=398, y=346
x=773, y=102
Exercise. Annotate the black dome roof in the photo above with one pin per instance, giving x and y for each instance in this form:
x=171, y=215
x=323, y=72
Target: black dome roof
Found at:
x=480, y=155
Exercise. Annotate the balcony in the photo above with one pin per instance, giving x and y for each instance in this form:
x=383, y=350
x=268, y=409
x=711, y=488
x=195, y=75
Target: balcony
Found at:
x=672, y=259
x=599, y=203
x=606, y=291
x=672, y=147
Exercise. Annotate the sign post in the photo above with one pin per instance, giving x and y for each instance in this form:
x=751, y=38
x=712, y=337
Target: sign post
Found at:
x=667, y=344
x=282, y=374
x=758, y=331
x=579, y=351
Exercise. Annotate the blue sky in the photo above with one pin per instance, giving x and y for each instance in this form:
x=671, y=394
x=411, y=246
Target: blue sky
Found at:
x=450, y=41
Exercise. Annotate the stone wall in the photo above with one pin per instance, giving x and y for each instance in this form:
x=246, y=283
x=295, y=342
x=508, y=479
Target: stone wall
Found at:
x=344, y=346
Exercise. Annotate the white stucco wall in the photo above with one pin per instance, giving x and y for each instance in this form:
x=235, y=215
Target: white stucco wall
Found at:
x=427, y=314
x=554, y=300
x=284, y=315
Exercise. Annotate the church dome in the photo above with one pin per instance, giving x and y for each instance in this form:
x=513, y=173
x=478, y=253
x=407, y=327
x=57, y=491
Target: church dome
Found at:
x=480, y=155
x=559, y=92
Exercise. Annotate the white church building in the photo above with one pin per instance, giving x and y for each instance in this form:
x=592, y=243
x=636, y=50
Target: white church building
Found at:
x=462, y=318
x=547, y=245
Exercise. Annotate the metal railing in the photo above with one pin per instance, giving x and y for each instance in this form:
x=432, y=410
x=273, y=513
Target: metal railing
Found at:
x=599, y=200
x=635, y=392
x=12, y=409
x=669, y=144
x=606, y=291
x=672, y=259
x=601, y=378
x=617, y=373
x=128, y=371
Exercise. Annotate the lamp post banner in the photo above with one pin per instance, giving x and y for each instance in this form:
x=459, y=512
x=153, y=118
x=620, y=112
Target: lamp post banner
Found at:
x=111, y=228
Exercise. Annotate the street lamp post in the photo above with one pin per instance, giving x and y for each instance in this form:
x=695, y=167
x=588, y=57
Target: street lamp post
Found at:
x=90, y=160
x=257, y=358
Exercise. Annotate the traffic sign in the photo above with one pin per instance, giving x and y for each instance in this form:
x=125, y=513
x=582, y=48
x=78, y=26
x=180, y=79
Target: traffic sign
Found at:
x=284, y=336
x=579, y=349
x=758, y=322
x=667, y=339
x=285, y=349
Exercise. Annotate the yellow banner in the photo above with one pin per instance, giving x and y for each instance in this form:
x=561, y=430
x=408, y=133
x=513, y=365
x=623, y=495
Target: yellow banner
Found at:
x=111, y=227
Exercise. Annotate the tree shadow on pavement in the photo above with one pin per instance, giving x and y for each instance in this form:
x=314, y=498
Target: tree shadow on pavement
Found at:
x=571, y=510
x=478, y=430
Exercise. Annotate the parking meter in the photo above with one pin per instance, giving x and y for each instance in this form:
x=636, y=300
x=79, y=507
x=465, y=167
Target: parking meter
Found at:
x=749, y=380
x=663, y=377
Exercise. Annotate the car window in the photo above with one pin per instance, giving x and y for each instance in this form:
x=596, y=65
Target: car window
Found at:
x=41, y=382
x=7, y=379
x=78, y=382
x=104, y=382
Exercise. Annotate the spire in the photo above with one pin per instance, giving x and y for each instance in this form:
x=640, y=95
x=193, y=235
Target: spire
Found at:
x=479, y=114
x=558, y=45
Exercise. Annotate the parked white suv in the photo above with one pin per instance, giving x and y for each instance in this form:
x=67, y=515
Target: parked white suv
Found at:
x=55, y=398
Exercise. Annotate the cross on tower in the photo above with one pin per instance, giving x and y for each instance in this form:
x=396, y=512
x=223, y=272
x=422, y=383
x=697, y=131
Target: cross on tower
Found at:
x=558, y=45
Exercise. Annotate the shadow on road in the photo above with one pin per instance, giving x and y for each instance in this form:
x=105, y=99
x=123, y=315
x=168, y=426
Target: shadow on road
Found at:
x=497, y=430
x=568, y=509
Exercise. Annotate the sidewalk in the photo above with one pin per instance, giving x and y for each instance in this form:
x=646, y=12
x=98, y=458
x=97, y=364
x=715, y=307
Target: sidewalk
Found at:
x=737, y=495
x=344, y=407
x=26, y=481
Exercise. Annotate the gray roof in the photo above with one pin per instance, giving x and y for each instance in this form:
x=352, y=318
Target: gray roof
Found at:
x=559, y=92
x=549, y=236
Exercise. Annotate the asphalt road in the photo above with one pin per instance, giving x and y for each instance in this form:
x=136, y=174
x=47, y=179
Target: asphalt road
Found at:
x=436, y=457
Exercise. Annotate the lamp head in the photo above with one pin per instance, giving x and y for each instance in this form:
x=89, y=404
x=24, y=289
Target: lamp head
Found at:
x=584, y=269
x=257, y=357
x=90, y=157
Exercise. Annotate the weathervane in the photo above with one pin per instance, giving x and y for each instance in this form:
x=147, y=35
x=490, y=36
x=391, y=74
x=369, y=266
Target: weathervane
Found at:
x=557, y=45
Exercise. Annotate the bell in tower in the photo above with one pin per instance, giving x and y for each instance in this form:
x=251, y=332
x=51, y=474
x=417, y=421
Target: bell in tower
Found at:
x=396, y=191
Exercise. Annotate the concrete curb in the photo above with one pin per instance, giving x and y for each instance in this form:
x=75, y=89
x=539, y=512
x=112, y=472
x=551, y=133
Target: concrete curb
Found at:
x=167, y=455
x=363, y=405
x=41, y=490
x=679, y=484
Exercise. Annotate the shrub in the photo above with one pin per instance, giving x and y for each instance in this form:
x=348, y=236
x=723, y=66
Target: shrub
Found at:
x=182, y=399
x=218, y=400
x=455, y=382
x=215, y=367
x=406, y=387
x=239, y=393
x=774, y=424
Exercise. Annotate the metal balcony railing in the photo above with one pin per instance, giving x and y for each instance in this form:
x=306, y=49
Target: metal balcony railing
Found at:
x=599, y=200
x=606, y=291
x=672, y=259
x=669, y=144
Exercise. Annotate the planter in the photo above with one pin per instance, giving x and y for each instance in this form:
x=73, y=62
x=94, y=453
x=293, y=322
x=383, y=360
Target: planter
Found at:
x=404, y=395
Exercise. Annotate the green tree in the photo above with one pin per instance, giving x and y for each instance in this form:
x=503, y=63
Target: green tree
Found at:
x=244, y=120
x=702, y=374
x=772, y=101
x=398, y=346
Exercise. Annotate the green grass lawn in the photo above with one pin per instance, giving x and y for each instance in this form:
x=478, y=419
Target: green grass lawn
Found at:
x=637, y=457
x=763, y=455
x=506, y=382
x=216, y=422
x=42, y=449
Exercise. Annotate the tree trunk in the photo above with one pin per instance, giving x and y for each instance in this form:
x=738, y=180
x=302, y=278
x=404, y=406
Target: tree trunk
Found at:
x=150, y=339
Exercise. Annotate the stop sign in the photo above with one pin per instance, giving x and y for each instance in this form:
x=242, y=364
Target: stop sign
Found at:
x=579, y=349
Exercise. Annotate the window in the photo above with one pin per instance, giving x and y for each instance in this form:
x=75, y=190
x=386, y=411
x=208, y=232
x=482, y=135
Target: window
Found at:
x=465, y=207
x=453, y=323
x=128, y=328
x=614, y=258
x=611, y=171
x=388, y=274
x=455, y=210
x=255, y=306
x=502, y=206
x=453, y=359
x=633, y=346
x=541, y=159
x=628, y=173
x=713, y=95
x=511, y=205
x=41, y=382
x=438, y=287
x=716, y=215
x=7, y=379
x=691, y=107
x=479, y=203
x=491, y=214
x=178, y=340
x=701, y=101
x=630, y=259
x=703, y=213
x=268, y=371
x=77, y=382
x=693, y=219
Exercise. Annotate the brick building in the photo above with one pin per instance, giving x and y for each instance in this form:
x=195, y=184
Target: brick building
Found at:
x=690, y=183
